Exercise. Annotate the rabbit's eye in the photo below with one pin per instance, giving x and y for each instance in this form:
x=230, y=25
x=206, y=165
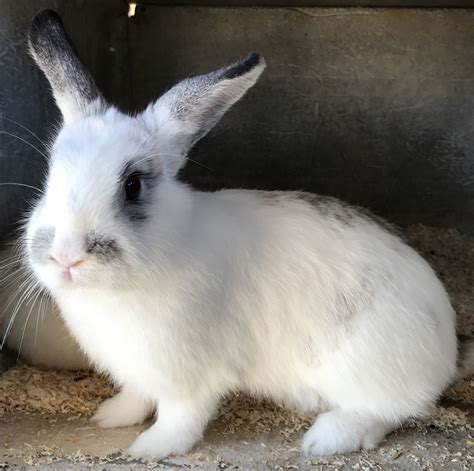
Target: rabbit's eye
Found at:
x=132, y=187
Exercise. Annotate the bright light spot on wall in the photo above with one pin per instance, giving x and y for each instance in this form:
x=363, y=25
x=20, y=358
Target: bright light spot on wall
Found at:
x=132, y=7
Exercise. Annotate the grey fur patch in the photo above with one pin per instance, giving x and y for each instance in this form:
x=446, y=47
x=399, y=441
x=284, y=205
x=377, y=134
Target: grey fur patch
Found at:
x=192, y=90
x=193, y=99
x=345, y=306
x=149, y=175
x=41, y=243
x=136, y=211
x=55, y=54
x=331, y=207
x=102, y=247
x=240, y=68
x=337, y=209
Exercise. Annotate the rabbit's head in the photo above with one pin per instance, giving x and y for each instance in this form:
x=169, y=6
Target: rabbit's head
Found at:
x=111, y=184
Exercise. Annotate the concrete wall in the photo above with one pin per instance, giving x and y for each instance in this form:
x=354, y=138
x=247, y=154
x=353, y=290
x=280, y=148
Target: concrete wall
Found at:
x=372, y=105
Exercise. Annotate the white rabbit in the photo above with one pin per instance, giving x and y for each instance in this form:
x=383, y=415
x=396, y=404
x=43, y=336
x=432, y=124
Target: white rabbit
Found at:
x=183, y=296
x=29, y=320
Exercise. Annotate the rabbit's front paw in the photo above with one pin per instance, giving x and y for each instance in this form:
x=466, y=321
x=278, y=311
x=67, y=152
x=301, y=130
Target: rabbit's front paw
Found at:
x=179, y=426
x=122, y=410
x=338, y=431
x=158, y=443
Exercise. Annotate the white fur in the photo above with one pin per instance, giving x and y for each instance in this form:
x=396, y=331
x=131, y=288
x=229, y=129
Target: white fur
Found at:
x=124, y=409
x=238, y=290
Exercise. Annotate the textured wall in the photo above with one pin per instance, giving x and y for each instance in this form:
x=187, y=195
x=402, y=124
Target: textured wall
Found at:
x=316, y=3
x=374, y=106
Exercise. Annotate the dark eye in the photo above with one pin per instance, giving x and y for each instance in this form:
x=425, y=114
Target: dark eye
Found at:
x=132, y=187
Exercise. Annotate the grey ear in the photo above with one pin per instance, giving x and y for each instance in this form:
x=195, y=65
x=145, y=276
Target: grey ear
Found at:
x=74, y=89
x=191, y=108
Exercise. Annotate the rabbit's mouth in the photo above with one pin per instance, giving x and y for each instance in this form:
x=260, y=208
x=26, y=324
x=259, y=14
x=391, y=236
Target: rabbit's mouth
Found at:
x=85, y=274
x=71, y=272
x=54, y=274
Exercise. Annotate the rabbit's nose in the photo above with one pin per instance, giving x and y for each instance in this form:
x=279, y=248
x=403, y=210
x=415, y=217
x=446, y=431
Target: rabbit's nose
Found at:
x=65, y=260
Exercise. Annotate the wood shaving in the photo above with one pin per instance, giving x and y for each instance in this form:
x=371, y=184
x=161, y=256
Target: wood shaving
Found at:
x=451, y=254
x=32, y=390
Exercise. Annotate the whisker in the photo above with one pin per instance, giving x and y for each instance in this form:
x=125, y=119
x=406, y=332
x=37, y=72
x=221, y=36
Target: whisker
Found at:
x=45, y=298
x=11, y=275
x=26, y=142
x=186, y=158
x=17, y=308
x=141, y=160
x=22, y=184
x=8, y=264
x=25, y=128
x=172, y=155
x=27, y=320
x=37, y=315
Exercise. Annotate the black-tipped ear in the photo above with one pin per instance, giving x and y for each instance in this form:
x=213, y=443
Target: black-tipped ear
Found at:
x=188, y=111
x=74, y=89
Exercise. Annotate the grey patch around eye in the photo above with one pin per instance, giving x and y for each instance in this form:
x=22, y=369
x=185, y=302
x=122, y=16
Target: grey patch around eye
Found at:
x=102, y=247
x=133, y=210
x=41, y=243
x=137, y=212
x=149, y=177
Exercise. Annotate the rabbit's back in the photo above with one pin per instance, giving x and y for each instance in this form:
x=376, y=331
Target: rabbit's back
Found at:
x=327, y=287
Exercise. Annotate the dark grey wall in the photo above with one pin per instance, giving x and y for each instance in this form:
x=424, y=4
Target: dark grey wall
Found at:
x=375, y=106
x=316, y=3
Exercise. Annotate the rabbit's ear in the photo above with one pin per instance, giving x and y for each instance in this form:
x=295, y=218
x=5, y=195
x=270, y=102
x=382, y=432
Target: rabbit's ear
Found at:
x=74, y=89
x=191, y=108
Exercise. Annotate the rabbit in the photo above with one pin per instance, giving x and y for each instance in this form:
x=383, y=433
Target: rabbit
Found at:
x=30, y=323
x=183, y=297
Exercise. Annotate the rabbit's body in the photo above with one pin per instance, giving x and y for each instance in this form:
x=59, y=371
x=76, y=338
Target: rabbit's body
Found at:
x=184, y=296
x=314, y=306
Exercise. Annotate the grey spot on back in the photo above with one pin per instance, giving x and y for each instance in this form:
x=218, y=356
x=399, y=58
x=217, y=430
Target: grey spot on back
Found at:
x=349, y=304
x=360, y=291
x=102, y=247
x=41, y=243
x=330, y=208
x=339, y=210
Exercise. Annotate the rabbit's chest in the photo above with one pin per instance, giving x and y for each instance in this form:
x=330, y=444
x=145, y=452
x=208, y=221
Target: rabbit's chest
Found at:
x=124, y=340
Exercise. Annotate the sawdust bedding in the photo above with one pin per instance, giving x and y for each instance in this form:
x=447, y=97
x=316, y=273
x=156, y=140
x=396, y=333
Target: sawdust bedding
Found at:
x=75, y=396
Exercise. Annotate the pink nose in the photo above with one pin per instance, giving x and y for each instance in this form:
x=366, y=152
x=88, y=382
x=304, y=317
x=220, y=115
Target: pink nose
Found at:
x=65, y=261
